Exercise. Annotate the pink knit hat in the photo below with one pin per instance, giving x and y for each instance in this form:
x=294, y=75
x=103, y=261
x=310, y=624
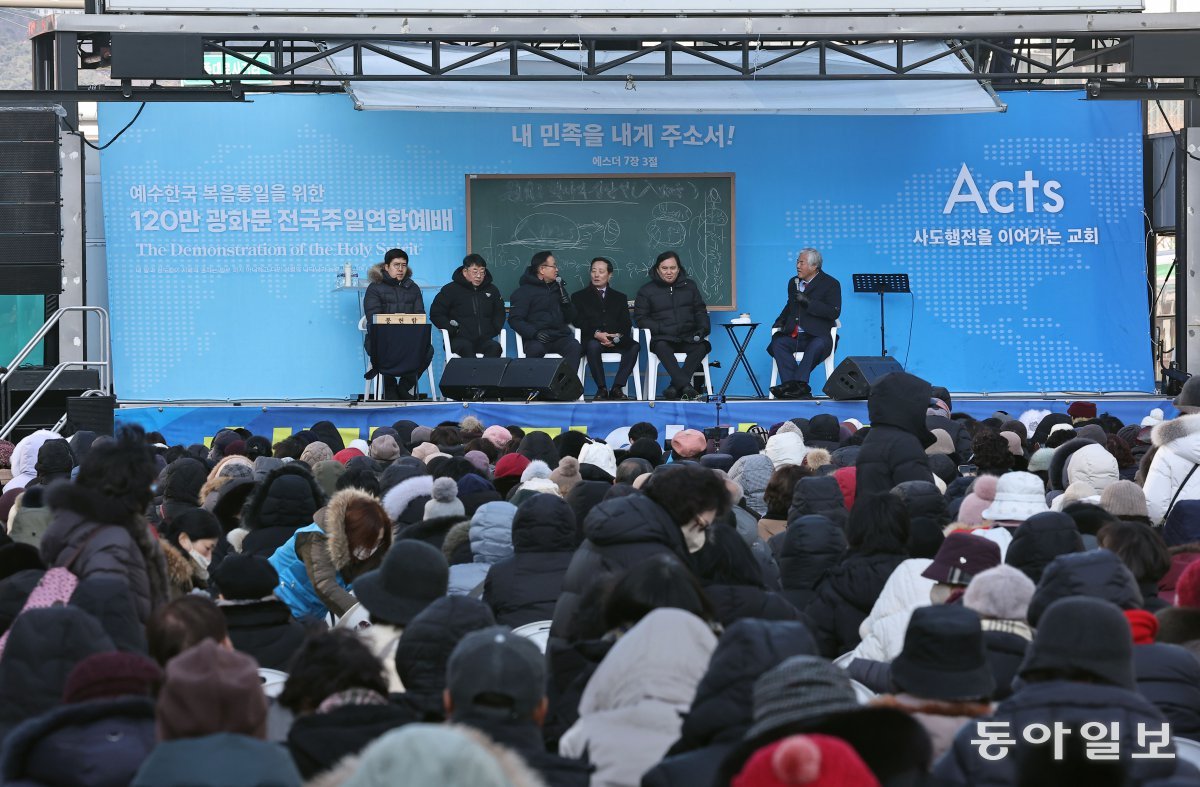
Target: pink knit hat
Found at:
x=497, y=435
x=982, y=495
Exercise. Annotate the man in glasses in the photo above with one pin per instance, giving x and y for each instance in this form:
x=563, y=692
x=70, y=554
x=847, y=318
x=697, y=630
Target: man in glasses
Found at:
x=541, y=312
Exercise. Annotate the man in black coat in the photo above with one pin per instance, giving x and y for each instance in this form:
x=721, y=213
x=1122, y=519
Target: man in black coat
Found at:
x=672, y=308
x=541, y=312
x=393, y=291
x=471, y=309
x=602, y=315
x=805, y=324
x=894, y=451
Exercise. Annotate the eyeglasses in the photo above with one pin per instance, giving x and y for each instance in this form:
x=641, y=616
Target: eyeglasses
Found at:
x=550, y=265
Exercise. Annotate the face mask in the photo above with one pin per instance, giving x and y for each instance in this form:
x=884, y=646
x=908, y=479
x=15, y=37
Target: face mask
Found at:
x=695, y=538
x=199, y=558
x=364, y=553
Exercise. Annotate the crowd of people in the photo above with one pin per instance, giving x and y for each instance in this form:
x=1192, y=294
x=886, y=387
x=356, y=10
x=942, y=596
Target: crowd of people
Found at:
x=669, y=309
x=926, y=598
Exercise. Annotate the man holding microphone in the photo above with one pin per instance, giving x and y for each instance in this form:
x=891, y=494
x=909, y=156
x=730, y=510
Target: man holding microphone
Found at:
x=541, y=312
x=804, y=325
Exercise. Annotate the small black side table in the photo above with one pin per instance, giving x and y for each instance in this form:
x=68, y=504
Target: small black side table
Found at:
x=740, y=349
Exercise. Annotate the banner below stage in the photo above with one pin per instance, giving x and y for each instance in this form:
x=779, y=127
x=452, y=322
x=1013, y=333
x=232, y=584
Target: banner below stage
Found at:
x=188, y=425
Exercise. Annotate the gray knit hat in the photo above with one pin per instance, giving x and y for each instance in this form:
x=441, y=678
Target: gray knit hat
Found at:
x=802, y=688
x=445, y=500
x=1188, y=400
x=1000, y=593
x=1124, y=499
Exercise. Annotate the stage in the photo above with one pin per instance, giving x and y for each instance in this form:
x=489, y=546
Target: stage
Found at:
x=191, y=422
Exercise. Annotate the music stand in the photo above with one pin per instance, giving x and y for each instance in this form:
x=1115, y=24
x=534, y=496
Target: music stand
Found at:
x=881, y=283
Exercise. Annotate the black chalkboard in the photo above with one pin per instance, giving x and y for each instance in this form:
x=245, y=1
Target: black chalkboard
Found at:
x=628, y=218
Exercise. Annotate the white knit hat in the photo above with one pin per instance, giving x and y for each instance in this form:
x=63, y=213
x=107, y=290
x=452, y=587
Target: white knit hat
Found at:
x=1019, y=496
x=445, y=500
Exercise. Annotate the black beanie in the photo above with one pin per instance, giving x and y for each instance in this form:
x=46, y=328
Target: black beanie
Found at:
x=1084, y=634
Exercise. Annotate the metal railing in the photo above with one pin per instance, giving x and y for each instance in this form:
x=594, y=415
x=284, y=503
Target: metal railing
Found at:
x=103, y=363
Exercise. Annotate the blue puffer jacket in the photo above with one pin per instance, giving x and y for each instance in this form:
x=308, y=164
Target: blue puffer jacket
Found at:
x=295, y=586
x=1073, y=704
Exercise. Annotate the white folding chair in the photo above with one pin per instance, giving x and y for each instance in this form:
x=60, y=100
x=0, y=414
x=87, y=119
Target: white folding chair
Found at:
x=521, y=354
x=273, y=681
x=537, y=632
x=373, y=390
x=830, y=363
x=652, y=365
x=451, y=354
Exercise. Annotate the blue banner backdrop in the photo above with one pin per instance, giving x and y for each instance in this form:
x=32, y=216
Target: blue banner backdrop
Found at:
x=228, y=227
x=195, y=424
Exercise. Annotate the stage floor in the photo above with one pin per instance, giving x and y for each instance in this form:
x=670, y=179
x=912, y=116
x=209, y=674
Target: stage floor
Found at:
x=194, y=422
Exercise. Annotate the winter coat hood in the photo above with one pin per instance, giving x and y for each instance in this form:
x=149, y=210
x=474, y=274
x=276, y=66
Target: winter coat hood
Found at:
x=288, y=497
x=461, y=280
x=900, y=399
x=786, y=448
x=680, y=280
x=378, y=273
x=1181, y=435
x=1057, y=474
x=753, y=472
x=334, y=525
x=723, y=708
x=402, y=494
x=544, y=523
x=818, y=495
x=811, y=545
x=1039, y=540
x=661, y=659
x=491, y=532
x=1094, y=466
x=633, y=518
x=184, y=478
x=1097, y=574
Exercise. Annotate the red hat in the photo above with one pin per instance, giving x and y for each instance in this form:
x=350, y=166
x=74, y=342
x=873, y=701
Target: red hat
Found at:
x=1143, y=624
x=346, y=454
x=511, y=465
x=816, y=760
x=1187, y=589
x=1085, y=410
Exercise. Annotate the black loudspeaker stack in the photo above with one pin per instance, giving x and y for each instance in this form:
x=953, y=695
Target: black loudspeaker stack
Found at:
x=521, y=379
x=853, y=377
x=30, y=204
x=90, y=414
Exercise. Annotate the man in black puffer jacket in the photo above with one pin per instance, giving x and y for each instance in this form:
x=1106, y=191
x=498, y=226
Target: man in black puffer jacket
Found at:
x=724, y=709
x=471, y=309
x=541, y=312
x=524, y=588
x=260, y=625
x=393, y=291
x=672, y=308
x=894, y=451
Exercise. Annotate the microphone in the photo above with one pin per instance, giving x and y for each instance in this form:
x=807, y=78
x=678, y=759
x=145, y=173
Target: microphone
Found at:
x=796, y=283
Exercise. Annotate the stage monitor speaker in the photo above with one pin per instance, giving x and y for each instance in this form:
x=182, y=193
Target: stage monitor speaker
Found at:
x=469, y=379
x=91, y=414
x=853, y=377
x=541, y=379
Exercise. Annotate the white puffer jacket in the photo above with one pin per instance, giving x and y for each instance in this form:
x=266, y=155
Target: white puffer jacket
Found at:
x=883, y=630
x=1178, y=442
x=1094, y=466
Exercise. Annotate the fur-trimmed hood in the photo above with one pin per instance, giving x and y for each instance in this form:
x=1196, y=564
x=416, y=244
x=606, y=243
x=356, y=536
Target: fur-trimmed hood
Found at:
x=910, y=704
x=1181, y=435
x=182, y=571
x=334, y=524
x=377, y=274
x=398, y=497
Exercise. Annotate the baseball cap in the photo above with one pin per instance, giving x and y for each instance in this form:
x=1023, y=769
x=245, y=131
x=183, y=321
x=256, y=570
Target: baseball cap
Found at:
x=497, y=673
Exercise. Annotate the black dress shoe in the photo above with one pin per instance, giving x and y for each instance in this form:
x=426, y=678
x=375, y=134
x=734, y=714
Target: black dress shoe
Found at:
x=798, y=390
x=601, y=394
x=779, y=391
x=689, y=393
x=670, y=392
x=617, y=393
